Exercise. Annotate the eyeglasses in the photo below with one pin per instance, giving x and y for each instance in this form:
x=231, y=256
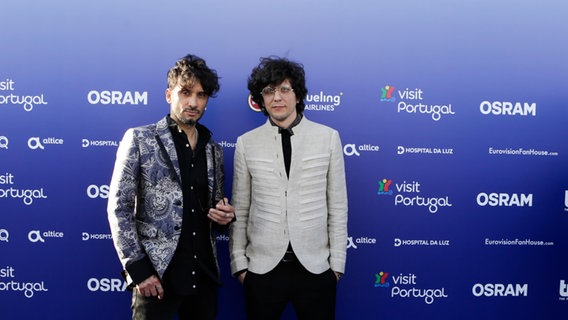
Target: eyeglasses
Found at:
x=270, y=91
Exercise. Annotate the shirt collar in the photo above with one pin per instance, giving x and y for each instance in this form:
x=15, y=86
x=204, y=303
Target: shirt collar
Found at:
x=292, y=125
x=202, y=130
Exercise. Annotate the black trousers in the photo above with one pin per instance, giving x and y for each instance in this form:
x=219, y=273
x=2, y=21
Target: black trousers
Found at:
x=200, y=306
x=311, y=295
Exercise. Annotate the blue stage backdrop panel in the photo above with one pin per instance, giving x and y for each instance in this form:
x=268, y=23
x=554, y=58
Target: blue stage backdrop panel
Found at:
x=452, y=115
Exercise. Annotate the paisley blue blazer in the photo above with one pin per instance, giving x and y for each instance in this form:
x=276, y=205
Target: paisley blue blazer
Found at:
x=145, y=205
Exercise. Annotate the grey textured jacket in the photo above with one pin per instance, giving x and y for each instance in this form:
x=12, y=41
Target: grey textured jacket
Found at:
x=145, y=205
x=308, y=209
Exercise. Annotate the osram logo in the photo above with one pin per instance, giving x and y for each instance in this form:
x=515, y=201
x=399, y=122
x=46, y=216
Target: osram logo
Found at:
x=505, y=199
x=94, y=191
x=117, y=97
x=500, y=290
x=106, y=285
x=506, y=108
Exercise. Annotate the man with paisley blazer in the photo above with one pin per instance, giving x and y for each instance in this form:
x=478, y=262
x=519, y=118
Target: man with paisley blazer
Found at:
x=289, y=192
x=167, y=199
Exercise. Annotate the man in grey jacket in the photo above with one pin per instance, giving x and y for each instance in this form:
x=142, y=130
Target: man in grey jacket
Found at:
x=166, y=200
x=289, y=241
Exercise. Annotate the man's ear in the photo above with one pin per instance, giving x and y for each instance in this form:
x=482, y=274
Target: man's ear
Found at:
x=168, y=95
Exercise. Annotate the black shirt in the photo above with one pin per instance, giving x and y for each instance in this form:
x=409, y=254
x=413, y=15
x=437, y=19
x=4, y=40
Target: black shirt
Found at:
x=193, y=263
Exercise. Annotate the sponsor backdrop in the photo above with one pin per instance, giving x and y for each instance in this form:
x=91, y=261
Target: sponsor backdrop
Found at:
x=452, y=114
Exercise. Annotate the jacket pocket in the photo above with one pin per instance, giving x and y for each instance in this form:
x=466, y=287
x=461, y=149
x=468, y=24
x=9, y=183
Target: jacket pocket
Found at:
x=262, y=171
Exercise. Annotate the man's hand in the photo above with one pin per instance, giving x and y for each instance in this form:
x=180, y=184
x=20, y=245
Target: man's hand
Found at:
x=242, y=276
x=223, y=213
x=151, y=287
x=338, y=275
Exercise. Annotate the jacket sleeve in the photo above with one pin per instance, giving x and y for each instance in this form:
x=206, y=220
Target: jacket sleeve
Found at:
x=241, y=203
x=121, y=210
x=337, y=206
x=218, y=191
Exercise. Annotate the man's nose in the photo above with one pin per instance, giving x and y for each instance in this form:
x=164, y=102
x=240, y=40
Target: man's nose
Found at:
x=192, y=100
x=277, y=94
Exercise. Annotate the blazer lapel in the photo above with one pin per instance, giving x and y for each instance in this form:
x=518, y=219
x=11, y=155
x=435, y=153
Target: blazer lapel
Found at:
x=167, y=146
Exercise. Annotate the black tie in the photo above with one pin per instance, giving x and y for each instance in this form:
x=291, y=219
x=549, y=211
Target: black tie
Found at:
x=286, y=149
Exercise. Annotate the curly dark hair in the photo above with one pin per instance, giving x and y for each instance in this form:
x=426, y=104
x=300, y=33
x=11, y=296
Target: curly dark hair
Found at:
x=273, y=71
x=193, y=67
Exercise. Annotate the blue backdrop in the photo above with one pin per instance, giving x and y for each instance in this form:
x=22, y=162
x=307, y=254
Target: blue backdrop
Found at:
x=452, y=114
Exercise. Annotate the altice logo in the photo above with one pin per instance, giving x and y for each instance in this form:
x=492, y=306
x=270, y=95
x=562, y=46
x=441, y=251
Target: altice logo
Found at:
x=386, y=93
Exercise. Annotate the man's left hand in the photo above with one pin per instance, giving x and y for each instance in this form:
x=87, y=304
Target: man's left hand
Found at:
x=223, y=213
